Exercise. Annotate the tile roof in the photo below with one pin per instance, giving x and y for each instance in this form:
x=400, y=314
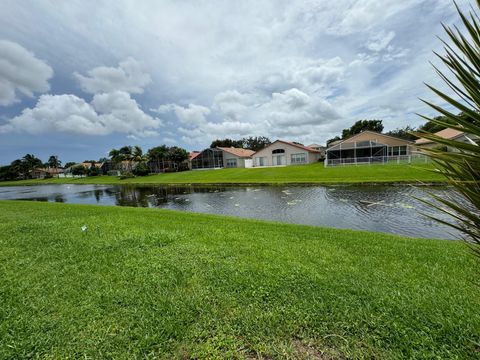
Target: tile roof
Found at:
x=237, y=151
x=447, y=133
x=193, y=154
x=300, y=146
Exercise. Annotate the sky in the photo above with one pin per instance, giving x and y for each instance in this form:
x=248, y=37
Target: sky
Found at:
x=78, y=78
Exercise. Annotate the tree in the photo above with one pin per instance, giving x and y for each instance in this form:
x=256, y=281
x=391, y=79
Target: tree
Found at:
x=406, y=133
x=69, y=164
x=157, y=156
x=137, y=154
x=255, y=143
x=54, y=162
x=8, y=173
x=362, y=125
x=461, y=167
x=31, y=162
x=79, y=170
x=177, y=154
x=141, y=169
x=226, y=143
x=336, y=138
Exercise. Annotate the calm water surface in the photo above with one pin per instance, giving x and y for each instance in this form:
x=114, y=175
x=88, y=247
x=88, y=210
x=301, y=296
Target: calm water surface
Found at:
x=390, y=209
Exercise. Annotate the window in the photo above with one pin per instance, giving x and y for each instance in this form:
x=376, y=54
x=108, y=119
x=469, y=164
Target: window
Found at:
x=260, y=161
x=231, y=163
x=397, y=150
x=278, y=151
x=299, y=158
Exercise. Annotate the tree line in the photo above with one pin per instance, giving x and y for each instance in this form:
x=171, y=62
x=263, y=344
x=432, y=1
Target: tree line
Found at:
x=254, y=143
x=22, y=168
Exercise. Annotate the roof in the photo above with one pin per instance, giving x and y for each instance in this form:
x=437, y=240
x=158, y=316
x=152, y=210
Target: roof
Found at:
x=349, y=140
x=50, y=170
x=315, y=145
x=298, y=146
x=447, y=133
x=89, y=164
x=193, y=154
x=237, y=151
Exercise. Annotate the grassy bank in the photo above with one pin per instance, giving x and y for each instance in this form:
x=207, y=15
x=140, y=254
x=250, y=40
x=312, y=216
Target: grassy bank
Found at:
x=156, y=283
x=303, y=174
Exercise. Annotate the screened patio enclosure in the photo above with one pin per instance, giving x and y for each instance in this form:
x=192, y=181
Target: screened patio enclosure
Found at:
x=358, y=152
x=208, y=159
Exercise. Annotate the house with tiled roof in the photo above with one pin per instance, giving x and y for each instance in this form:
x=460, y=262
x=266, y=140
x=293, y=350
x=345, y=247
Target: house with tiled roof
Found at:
x=222, y=157
x=282, y=153
x=450, y=134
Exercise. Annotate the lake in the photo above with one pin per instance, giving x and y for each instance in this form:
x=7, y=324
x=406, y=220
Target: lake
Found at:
x=390, y=209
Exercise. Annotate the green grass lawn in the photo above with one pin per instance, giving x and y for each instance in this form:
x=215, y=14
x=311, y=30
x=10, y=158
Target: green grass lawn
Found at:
x=149, y=283
x=302, y=174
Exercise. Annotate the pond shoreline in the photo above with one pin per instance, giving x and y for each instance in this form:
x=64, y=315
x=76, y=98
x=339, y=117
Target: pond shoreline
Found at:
x=382, y=208
x=238, y=184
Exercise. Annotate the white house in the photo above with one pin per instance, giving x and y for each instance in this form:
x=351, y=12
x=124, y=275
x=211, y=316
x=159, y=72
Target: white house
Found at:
x=282, y=152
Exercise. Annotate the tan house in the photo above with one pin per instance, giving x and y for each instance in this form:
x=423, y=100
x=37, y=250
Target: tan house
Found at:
x=320, y=148
x=284, y=153
x=367, y=147
x=450, y=134
x=237, y=157
x=42, y=173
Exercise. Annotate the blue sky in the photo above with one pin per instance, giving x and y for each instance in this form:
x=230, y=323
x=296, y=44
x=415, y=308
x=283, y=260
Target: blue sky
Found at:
x=78, y=78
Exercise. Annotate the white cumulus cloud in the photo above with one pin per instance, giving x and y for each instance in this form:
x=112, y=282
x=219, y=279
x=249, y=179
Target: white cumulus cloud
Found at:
x=108, y=113
x=21, y=71
x=128, y=76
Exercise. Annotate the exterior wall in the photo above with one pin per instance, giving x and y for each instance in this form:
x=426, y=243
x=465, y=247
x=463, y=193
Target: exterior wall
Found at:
x=240, y=161
x=289, y=150
x=314, y=157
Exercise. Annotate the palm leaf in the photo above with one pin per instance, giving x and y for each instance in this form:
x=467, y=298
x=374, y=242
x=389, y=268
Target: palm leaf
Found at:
x=461, y=167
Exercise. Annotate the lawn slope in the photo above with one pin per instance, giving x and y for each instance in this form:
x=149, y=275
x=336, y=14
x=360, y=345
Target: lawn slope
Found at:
x=302, y=174
x=154, y=283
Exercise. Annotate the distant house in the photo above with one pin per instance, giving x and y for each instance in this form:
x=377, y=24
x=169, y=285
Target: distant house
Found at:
x=220, y=157
x=367, y=147
x=282, y=152
x=320, y=148
x=450, y=134
x=42, y=173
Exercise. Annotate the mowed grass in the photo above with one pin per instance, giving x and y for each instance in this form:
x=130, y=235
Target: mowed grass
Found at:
x=302, y=174
x=149, y=283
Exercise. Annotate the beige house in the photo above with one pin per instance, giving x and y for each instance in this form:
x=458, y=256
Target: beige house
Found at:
x=367, y=147
x=320, y=148
x=237, y=157
x=450, y=134
x=285, y=153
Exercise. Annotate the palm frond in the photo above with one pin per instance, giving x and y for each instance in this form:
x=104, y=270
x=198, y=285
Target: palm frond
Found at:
x=459, y=161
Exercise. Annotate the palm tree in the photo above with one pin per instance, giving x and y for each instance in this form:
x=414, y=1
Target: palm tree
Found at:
x=54, y=163
x=461, y=167
x=31, y=162
x=126, y=152
x=116, y=157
